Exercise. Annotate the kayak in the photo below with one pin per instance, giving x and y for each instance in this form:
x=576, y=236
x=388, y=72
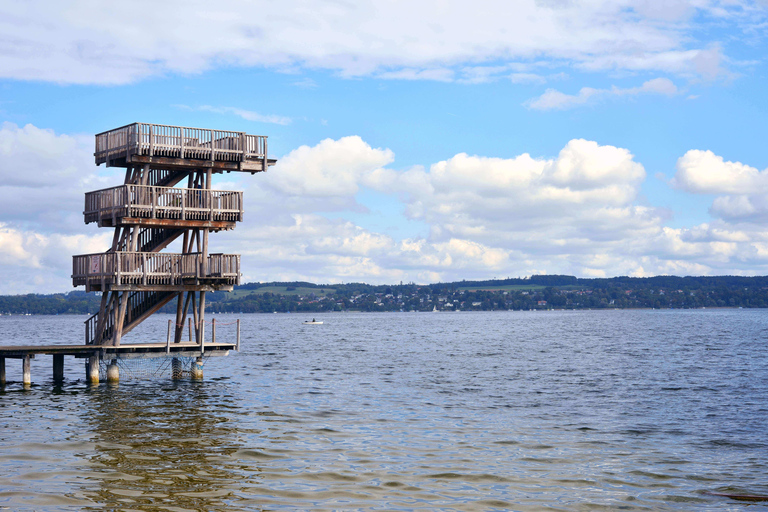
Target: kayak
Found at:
x=313, y=322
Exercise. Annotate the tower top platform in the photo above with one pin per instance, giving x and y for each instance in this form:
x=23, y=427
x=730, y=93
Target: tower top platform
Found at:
x=164, y=146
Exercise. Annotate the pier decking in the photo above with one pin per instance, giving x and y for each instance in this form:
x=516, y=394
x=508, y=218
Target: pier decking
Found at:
x=96, y=352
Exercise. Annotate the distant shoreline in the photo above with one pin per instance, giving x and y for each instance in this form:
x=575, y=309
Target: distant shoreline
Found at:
x=541, y=292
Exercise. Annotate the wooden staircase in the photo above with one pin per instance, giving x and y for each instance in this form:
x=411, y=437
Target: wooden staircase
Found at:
x=153, y=239
x=140, y=306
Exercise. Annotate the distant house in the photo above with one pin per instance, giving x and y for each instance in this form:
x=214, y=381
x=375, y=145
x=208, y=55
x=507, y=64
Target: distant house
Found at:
x=541, y=303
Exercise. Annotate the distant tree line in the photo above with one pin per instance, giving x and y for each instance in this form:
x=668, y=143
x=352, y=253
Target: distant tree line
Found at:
x=535, y=292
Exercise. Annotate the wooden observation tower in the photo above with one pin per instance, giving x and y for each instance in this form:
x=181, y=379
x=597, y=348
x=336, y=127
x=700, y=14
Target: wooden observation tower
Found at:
x=166, y=196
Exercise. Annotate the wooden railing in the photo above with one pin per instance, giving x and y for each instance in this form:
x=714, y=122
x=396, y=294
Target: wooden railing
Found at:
x=153, y=269
x=162, y=203
x=179, y=142
x=91, y=329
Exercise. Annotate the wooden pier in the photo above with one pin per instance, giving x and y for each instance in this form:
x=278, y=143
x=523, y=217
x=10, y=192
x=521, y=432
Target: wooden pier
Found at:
x=142, y=350
x=149, y=211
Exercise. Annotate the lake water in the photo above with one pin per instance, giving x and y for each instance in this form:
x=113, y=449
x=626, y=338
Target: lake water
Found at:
x=586, y=410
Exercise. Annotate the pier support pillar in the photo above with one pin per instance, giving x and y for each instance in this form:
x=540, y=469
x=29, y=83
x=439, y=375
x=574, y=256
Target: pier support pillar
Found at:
x=113, y=372
x=2, y=371
x=58, y=368
x=92, y=370
x=26, y=370
x=197, y=369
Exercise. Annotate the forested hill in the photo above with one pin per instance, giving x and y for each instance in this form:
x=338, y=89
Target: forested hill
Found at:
x=535, y=292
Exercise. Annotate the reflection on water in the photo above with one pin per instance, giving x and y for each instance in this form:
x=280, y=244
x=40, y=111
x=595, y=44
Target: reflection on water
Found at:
x=161, y=446
x=525, y=411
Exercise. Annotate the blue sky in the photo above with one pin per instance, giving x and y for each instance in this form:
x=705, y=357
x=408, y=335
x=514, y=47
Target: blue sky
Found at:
x=416, y=142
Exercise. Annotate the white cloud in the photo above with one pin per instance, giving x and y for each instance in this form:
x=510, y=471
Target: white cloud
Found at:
x=331, y=168
x=44, y=177
x=704, y=172
x=742, y=190
x=556, y=100
x=705, y=63
x=436, y=74
x=112, y=42
x=37, y=262
x=305, y=83
x=526, y=78
x=248, y=115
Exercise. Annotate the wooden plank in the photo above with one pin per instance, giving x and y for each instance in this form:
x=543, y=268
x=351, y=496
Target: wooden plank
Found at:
x=219, y=166
x=181, y=224
x=80, y=351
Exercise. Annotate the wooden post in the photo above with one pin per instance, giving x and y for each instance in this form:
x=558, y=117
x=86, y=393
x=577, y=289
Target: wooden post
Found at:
x=122, y=300
x=118, y=267
x=182, y=317
x=201, y=322
x=106, y=163
x=266, y=162
x=103, y=272
x=209, y=197
x=238, y=335
x=213, y=153
x=213, y=331
x=2, y=371
x=100, y=320
x=190, y=330
x=168, y=340
x=26, y=370
x=195, y=318
x=58, y=367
